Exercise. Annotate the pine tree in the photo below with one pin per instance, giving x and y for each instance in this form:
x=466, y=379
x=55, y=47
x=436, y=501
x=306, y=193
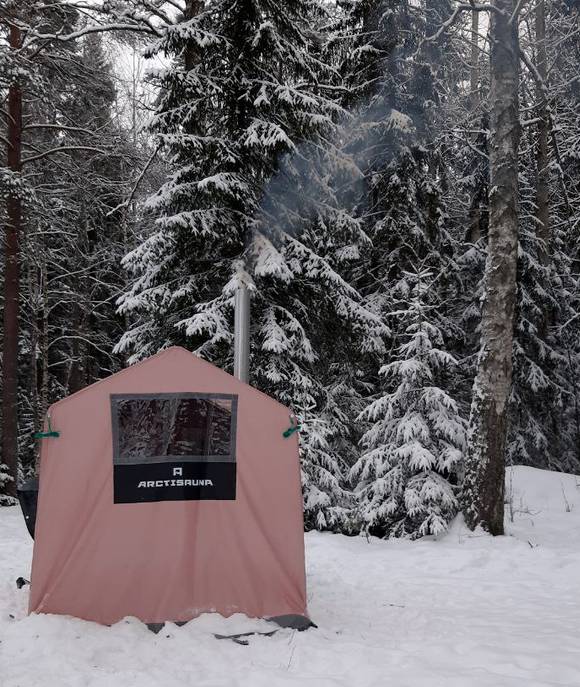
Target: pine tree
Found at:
x=413, y=450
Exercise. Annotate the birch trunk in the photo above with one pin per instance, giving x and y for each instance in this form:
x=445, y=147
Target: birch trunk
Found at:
x=485, y=466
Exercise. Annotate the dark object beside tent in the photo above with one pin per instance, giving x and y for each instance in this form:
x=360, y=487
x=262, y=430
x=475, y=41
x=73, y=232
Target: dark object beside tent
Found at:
x=28, y=497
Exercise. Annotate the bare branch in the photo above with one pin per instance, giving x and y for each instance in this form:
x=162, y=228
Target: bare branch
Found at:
x=448, y=23
x=517, y=9
x=78, y=338
x=128, y=201
x=470, y=145
x=62, y=149
x=7, y=115
x=143, y=27
x=62, y=127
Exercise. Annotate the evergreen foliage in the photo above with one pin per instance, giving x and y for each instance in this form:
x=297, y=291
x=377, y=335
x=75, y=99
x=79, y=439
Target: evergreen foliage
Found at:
x=413, y=450
x=334, y=157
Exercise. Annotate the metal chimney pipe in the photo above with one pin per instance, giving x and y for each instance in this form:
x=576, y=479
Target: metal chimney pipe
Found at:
x=242, y=334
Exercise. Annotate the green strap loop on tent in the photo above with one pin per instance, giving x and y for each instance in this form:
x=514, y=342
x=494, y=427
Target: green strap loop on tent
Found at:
x=295, y=427
x=46, y=435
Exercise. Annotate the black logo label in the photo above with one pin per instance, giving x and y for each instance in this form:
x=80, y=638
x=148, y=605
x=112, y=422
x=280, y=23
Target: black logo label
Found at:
x=147, y=482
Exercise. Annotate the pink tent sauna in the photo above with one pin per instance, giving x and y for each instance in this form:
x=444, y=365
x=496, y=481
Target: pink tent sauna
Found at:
x=171, y=490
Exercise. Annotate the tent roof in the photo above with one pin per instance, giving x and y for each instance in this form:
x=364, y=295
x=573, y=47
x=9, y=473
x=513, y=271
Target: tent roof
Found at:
x=188, y=357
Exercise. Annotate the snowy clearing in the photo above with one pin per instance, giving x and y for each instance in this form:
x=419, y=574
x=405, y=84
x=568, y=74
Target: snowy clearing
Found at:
x=465, y=611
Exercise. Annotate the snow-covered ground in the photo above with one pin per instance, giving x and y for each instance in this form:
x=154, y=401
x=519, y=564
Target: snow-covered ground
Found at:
x=466, y=611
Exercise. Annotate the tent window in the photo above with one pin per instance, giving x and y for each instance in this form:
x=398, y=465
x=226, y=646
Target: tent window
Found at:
x=169, y=427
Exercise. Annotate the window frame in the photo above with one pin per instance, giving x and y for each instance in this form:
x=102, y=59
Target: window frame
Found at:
x=115, y=429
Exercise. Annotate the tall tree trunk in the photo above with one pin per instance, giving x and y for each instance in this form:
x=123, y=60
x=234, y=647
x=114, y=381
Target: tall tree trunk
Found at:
x=12, y=281
x=43, y=401
x=542, y=201
x=77, y=372
x=485, y=466
x=474, y=67
x=34, y=291
x=474, y=231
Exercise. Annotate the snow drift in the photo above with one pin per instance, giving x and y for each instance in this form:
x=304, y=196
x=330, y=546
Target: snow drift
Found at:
x=467, y=610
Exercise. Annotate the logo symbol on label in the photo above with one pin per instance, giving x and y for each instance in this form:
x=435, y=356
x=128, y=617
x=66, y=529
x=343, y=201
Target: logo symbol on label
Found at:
x=178, y=472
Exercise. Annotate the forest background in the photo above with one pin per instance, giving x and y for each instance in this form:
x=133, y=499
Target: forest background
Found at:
x=334, y=157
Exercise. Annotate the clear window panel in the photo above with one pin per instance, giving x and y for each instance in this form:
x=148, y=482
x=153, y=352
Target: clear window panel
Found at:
x=173, y=426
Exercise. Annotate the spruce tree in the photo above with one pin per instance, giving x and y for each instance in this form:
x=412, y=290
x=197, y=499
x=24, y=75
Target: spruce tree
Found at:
x=243, y=89
x=247, y=115
x=408, y=473
x=538, y=433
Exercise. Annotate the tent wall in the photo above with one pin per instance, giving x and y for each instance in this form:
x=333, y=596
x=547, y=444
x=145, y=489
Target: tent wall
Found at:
x=168, y=560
